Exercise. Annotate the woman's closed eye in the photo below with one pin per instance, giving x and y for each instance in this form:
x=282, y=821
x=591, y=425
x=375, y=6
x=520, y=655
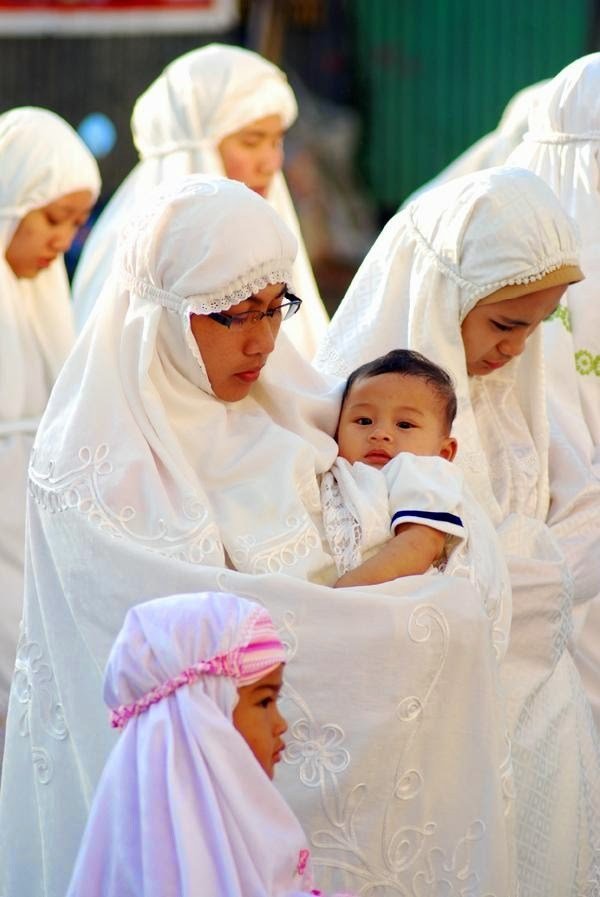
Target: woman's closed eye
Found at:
x=505, y=328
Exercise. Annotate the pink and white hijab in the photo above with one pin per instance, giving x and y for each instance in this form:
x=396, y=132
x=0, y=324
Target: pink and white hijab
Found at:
x=183, y=807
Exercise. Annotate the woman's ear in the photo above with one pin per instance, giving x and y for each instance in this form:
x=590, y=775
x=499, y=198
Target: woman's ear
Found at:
x=448, y=448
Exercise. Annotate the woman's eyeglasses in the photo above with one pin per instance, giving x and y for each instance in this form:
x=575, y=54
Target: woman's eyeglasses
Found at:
x=248, y=319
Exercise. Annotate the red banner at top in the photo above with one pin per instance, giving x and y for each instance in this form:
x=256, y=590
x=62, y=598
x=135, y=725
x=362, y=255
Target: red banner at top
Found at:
x=114, y=16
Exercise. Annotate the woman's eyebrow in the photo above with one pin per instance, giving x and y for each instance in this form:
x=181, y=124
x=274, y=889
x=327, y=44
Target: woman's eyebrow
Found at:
x=255, y=299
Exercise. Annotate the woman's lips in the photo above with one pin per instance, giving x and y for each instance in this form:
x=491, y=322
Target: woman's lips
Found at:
x=249, y=376
x=494, y=365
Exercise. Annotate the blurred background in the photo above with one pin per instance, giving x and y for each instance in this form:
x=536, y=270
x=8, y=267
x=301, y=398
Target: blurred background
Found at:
x=389, y=91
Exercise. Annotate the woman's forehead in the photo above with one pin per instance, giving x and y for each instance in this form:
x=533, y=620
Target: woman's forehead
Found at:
x=518, y=309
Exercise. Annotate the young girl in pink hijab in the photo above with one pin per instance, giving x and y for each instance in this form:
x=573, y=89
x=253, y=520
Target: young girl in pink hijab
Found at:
x=185, y=805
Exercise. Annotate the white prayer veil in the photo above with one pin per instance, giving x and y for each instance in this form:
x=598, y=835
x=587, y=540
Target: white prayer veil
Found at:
x=430, y=266
x=433, y=262
x=199, y=246
x=177, y=124
x=562, y=146
x=183, y=807
x=41, y=160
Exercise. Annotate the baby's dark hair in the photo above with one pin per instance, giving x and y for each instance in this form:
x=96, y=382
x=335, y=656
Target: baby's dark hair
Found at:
x=410, y=364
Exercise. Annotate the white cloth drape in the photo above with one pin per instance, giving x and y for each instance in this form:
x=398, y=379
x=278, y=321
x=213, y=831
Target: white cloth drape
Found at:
x=430, y=266
x=562, y=146
x=144, y=484
x=183, y=806
x=177, y=125
x=41, y=159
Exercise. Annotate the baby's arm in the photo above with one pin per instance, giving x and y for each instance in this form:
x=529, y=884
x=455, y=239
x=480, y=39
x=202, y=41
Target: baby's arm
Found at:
x=412, y=550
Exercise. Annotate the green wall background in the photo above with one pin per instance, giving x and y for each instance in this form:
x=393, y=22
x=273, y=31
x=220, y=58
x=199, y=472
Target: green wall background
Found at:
x=432, y=76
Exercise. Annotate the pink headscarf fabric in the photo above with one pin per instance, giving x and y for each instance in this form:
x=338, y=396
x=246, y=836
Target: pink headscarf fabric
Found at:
x=183, y=807
x=244, y=663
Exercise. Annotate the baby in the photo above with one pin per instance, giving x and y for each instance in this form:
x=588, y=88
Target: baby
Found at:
x=393, y=474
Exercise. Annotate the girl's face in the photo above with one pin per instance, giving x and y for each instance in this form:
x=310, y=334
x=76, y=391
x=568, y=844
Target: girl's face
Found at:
x=258, y=720
x=494, y=334
x=47, y=232
x=255, y=153
x=234, y=358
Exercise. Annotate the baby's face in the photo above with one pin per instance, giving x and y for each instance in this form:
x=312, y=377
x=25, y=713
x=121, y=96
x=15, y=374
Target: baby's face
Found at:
x=392, y=413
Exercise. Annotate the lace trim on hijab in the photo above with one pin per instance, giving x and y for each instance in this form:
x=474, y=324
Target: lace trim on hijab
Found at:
x=236, y=291
x=562, y=137
x=475, y=291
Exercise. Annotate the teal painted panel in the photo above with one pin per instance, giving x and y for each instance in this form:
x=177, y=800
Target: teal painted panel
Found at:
x=433, y=76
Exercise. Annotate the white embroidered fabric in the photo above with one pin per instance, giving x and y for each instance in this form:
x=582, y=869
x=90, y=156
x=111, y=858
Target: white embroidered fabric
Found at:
x=42, y=159
x=144, y=484
x=177, y=125
x=562, y=146
x=428, y=269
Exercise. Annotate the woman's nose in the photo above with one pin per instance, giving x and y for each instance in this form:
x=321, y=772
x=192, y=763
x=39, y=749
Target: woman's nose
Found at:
x=514, y=343
x=62, y=238
x=272, y=159
x=261, y=338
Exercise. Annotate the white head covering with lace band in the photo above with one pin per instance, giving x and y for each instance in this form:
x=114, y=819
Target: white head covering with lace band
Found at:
x=504, y=230
x=183, y=807
x=177, y=124
x=41, y=160
x=562, y=146
x=145, y=484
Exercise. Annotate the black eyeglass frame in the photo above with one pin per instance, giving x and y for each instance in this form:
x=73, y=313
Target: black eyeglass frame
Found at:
x=293, y=305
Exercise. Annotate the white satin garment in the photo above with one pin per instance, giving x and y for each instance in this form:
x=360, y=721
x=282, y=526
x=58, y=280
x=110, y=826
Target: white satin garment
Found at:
x=41, y=160
x=177, y=125
x=430, y=266
x=143, y=483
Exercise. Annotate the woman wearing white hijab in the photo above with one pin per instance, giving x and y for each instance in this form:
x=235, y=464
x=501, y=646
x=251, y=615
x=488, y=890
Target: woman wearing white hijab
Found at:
x=464, y=275
x=48, y=184
x=219, y=110
x=184, y=805
x=562, y=146
x=186, y=436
